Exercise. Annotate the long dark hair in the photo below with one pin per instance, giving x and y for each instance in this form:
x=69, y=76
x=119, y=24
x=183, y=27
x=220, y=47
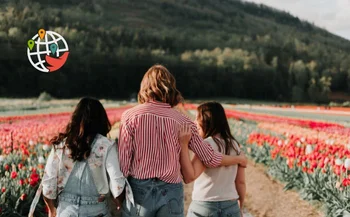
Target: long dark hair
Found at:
x=212, y=119
x=88, y=119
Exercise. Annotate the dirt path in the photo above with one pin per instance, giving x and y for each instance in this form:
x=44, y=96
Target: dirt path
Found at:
x=266, y=197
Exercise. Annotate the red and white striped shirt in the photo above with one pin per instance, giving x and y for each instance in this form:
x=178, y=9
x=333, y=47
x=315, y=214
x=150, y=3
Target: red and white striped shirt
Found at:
x=149, y=143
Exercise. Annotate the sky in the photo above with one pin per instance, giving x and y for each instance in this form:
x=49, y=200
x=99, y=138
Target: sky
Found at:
x=332, y=15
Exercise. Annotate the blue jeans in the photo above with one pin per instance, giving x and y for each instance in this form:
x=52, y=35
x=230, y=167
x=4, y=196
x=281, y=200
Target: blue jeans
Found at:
x=155, y=198
x=227, y=208
x=80, y=196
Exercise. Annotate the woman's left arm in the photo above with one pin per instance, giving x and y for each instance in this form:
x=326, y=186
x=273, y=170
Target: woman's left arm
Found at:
x=51, y=205
x=241, y=186
x=190, y=169
x=117, y=180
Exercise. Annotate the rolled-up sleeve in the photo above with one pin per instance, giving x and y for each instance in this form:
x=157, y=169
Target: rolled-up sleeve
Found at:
x=203, y=149
x=117, y=180
x=49, y=181
x=125, y=147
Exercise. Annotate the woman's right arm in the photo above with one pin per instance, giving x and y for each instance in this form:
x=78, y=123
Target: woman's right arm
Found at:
x=49, y=182
x=241, y=186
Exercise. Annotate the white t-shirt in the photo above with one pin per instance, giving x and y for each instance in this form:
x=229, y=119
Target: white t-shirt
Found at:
x=216, y=184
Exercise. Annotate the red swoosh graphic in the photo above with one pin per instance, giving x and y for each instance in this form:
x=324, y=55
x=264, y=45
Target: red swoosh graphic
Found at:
x=56, y=63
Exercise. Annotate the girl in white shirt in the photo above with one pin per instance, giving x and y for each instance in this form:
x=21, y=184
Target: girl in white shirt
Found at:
x=217, y=192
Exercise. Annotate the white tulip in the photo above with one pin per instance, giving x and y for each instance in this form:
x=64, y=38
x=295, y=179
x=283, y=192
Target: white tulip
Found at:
x=46, y=147
x=337, y=185
x=31, y=143
x=286, y=142
x=326, y=160
x=279, y=143
x=2, y=158
x=41, y=160
x=298, y=144
x=338, y=162
x=308, y=149
x=302, y=139
x=347, y=163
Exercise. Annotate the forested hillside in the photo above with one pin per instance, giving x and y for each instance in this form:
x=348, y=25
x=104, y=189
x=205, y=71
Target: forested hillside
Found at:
x=225, y=48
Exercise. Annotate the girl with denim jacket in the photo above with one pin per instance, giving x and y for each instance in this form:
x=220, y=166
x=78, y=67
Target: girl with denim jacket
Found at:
x=83, y=166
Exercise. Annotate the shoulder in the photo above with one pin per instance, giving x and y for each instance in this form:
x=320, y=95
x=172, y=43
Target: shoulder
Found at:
x=179, y=116
x=131, y=113
x=236, y=145
x=102, y=141
x=211, y=141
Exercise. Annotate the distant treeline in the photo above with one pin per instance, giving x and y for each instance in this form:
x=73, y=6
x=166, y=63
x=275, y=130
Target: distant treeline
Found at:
x=218, y=48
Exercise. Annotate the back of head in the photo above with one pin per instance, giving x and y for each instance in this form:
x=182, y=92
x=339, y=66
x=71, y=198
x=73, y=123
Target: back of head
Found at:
x=88, y=119
x=212, y=119
x=160, y=85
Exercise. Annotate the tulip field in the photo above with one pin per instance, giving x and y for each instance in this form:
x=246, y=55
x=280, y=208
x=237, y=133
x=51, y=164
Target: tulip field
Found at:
x=24, y=146
x=309, y=156
x=312, y=157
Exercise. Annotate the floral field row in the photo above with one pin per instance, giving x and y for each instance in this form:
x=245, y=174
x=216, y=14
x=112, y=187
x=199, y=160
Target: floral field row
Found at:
x=313, y=124
x=294, y=121
x=308, y=135
x=37, y=129
x=316, y=166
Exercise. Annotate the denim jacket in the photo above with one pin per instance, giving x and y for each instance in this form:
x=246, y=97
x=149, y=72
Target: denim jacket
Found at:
x=103, y=159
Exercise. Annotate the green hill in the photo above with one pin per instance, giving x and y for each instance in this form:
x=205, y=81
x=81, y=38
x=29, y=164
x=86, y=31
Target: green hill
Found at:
x=216, y=48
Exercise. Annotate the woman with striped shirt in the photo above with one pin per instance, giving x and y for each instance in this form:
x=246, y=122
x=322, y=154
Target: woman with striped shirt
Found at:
x=149, y=148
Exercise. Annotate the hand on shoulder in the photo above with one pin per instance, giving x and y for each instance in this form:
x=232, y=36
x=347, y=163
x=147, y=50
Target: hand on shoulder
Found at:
x=244, y=160
x=185, y=135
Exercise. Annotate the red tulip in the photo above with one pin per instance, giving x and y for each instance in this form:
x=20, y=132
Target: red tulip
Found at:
x=34, y=179
x=23, y=197
x=21, y=182
x=13, y=174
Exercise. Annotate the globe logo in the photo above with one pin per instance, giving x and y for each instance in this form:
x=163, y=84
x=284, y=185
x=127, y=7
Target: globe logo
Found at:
x=47, y=51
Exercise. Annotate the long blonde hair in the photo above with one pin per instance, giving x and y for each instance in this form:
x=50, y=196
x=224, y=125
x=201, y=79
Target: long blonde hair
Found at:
x=160, y=85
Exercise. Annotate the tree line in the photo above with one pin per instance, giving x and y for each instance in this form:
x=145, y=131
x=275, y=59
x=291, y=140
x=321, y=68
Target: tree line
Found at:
x=214, y=49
